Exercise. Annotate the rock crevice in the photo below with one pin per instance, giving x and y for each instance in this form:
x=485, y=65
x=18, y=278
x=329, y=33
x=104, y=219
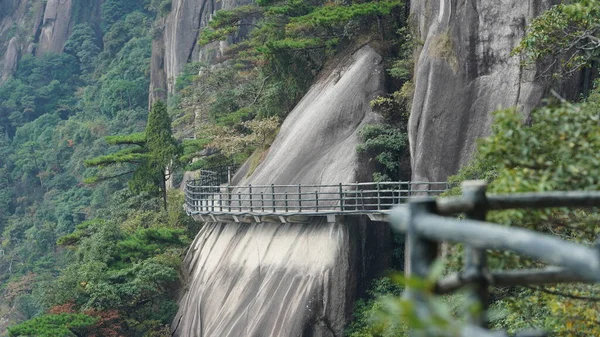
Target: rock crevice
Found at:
x=269, y=279
x=465, y=71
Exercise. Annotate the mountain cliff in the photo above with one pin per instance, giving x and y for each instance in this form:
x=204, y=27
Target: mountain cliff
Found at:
x=294, y=279
x=464, y=71
x=38, y=27
x=177, y=44
x=262, y=279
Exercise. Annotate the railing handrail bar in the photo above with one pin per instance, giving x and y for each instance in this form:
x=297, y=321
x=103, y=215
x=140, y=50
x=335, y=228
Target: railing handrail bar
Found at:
x=191, y=183
x=580, y=260
x=550, y=199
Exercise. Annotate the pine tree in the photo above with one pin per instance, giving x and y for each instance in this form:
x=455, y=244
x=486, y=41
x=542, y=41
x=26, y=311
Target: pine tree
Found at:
x=154, y=153
x=162, y=148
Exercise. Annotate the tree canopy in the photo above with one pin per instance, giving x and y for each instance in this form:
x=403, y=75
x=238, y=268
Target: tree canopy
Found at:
x=154, y=153
x=55, y=112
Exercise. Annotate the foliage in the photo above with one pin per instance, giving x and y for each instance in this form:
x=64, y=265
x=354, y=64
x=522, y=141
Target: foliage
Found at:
x=389, y=147
x=83, y=45
x=126, y=268
x=54, y=114
x=365, y=321
x=230, y=142
x=160, y=7
x=565, y=38
x=154, y=155
x=401, y=70
x=279, y=46
x=63, y=325
x=558, y=151
x=40, y=85
x=113, y=11
x=389, y=312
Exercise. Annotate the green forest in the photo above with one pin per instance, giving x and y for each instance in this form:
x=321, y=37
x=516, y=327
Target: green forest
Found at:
x=89, y=247
x=92, y=240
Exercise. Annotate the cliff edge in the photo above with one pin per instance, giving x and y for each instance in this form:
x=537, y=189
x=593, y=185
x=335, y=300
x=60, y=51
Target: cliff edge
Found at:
x=270, y=279
x=465, y=71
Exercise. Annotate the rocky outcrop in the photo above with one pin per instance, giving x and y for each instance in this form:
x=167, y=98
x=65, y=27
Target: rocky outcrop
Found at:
x=294, y=279
x=38, y=27
x=16, y=18
x=178, y=44
x=158, y=76
x=10, y=59
x=56, y=27
x=464, y=72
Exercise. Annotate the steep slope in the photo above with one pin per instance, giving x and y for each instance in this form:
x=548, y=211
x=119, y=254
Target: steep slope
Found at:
x=178, y=43
x=18, y=20
x=465, y=71
x=38, y=27
x=56, y=26
x=293, y=279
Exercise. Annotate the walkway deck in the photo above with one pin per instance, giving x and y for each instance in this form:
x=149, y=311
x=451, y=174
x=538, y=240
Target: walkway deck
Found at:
x=209, y=202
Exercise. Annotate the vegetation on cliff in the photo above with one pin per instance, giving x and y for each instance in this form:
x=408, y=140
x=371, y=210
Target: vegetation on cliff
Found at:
x=103, y=259
x=85, y=255
x=97, y=259
x=154, y=154
x=555, y=149
x=266, y=74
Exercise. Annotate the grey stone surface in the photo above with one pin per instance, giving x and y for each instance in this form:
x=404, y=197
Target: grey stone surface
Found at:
x=464, y=72
x=36, y=27
x=158, y=76
x=294, y=279
x=275, y=279
x=56, y=28
x=317, y=141
x=11, y=57
x=179, y=42
x=14, y=13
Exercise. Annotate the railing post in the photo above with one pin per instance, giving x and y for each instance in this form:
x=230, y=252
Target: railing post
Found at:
x=286, y=201
x=378, y=197
x=420, y=255
x=229, y=197
x=240, y=201
x=250, y=194
x=317, y=201
x=475, y=259
x=198, y=203
x=273, y=197
x=299, y=198
x=341, y=198
x=262, y=201
x=220, y=201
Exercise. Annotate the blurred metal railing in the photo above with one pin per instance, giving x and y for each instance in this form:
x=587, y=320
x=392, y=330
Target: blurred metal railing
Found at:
x=373, y=197
x=428, y=221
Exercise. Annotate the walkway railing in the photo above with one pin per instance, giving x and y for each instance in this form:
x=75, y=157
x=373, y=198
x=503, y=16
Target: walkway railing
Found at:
x=373, y=197
x=428, y=222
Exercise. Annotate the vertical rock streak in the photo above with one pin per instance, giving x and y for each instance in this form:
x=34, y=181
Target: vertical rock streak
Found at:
x=464, y=72
x=36, y=27
x=292, y=279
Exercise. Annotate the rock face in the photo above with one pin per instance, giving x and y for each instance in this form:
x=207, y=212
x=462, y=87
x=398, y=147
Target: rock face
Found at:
x=38, y=27
x=463, y=73
x=293, y=279
x=56, y=27
x=10, y=59
x=14, y=18
x=178, y=44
